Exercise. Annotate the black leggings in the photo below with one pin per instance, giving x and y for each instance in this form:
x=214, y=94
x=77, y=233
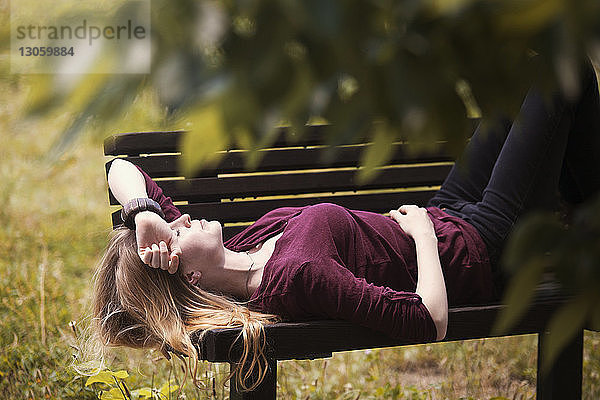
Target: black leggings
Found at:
x=553, y=146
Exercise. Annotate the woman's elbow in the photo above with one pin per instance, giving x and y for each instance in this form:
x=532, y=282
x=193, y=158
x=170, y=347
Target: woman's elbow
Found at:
x=118, y=164
x=114, y=168
x=441, y=326
x=437, y=306
x=438, y=311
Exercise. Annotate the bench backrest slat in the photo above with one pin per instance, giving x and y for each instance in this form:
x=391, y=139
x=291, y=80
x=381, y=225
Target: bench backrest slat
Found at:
x=136, y=143
x=291, y=173
x=285, y=159
x=228, y=186
x=249, y=211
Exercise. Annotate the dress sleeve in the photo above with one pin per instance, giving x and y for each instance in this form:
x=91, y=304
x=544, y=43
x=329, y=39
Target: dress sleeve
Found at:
x=332, y=291
x=155, y=193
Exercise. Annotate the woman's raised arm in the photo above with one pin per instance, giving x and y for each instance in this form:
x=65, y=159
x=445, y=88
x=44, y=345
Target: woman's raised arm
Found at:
x=430, y=280
x=126, y=182
x=153, y=234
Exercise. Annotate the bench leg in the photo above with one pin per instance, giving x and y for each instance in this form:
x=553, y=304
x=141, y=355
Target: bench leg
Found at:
x=267, y=390
x=564, y=379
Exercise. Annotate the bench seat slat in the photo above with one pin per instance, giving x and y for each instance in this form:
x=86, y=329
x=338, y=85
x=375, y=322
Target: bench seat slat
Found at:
x=317, y=339
x=162, y=166
x=201, y=189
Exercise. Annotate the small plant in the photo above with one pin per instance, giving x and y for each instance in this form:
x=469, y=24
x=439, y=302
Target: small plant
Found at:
x=112, y=386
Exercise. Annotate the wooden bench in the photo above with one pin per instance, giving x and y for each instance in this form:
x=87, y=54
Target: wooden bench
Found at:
x=303, y=172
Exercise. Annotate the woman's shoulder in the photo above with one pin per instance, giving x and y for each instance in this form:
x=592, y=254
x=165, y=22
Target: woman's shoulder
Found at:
x=265, y=227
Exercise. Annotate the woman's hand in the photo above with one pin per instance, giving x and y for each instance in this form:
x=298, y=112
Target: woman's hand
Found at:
x=414, y=221
x=154, y=236
x=154, y=239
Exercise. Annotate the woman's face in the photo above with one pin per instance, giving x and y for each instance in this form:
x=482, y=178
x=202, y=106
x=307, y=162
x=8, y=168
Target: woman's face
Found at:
x=202, y=251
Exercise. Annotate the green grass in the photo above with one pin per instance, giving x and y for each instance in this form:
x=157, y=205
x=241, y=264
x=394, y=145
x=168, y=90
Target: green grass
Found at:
x=54, y=220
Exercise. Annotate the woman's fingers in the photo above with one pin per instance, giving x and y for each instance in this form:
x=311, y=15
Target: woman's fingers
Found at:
x=395, y=214
x=164, y=255
x=410, y=209
x=173, y=263
x=159, y=257
x=146, y=255
x=175, y=254
x=412, y=219
x=155, y=256
x=404, y=209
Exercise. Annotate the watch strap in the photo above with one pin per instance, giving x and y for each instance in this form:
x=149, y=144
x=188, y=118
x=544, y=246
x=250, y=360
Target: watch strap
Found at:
x=135, y=206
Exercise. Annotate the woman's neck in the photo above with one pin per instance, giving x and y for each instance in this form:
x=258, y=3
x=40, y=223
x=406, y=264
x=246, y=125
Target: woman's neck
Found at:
x=232, y=276
x=242, y=271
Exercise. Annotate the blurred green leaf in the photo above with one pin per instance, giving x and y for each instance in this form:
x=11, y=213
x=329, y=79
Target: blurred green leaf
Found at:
x=167, y=388
x=113, y=394
x=102, y=377
x=205, y=137
x=534, y=237
x=377, y=153
x=120, y=374
x=519, y=294
x=541, y=242
x=106, y=377
x=530, y=16
x=526, y=257
x=143, y=393
x=565, y=323
x=421, y=66
x=448, y=6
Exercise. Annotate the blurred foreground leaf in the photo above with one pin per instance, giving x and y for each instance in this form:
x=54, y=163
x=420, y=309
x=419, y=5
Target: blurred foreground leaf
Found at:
x=570, y=252
x=106, y=377
x=526, y=258
x=144, y=393
x=565, y=323
x=204, y=140
x=423, y=67
x=113, y=394
x=519, y=295
x=168, y=388
x=377, y=153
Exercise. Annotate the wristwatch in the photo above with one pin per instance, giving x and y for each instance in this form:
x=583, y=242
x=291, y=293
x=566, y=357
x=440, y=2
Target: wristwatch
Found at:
x=136, y=206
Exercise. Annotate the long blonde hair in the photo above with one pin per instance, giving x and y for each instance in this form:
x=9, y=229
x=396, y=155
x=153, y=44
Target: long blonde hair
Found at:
x=142, y=307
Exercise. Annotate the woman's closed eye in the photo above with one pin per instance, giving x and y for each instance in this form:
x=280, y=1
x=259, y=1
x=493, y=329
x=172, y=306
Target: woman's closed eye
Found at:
x=181, y=231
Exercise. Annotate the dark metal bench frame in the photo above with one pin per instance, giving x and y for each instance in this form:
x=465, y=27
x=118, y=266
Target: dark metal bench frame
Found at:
x=317, y=172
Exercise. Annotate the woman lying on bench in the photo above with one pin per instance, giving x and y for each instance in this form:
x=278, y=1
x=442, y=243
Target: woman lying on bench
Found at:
x=393, y=274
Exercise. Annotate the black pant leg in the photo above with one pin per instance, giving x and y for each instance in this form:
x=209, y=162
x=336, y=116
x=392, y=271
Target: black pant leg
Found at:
x=580, y=175
x=471, y=173
x=530, y=165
